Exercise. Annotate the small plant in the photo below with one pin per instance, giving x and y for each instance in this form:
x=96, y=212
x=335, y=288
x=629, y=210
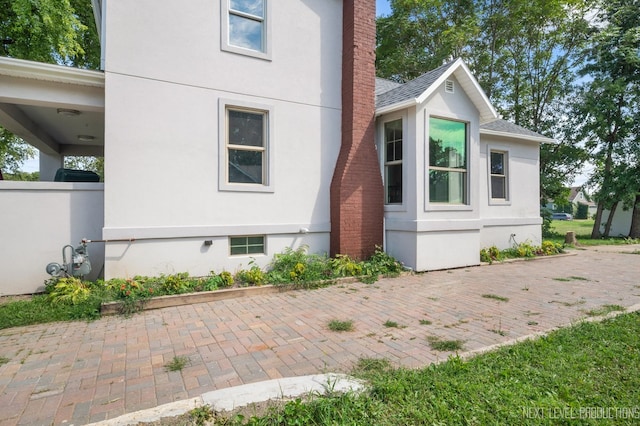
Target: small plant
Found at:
x=227, y=278
x=4, y=360
x=177, y=363
x=392, y=324
x=425, y=322
x=438, y=344
x=338, y=325
x=491, y=254
x=177, y=283
x=253, y=276
x=69, y=290
x=498, y=331
x=343, y=266
x=496, y=297
x=201, y=415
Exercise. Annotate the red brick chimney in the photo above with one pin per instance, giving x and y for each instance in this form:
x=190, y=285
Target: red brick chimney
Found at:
x=356, y=189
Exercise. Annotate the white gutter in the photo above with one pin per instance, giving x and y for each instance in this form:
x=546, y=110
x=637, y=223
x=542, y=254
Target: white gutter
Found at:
x=12, y=67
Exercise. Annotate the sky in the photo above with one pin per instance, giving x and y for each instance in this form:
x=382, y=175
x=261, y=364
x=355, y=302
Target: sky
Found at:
x=382, y=7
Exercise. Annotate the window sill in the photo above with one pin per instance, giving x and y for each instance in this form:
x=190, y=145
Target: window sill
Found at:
x=499, y=202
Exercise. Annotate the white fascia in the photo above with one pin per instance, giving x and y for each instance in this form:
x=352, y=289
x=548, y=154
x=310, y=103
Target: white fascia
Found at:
x=20, y=68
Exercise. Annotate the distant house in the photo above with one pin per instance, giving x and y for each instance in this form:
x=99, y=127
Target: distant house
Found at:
x=577, y=196
x=242, y=132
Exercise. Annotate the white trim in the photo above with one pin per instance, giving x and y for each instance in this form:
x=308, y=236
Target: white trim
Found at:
x=198, y=231
x=510, y=221
x=48, y=72
x=433, y=225
x=223, y=185
x=266, y=53
x=507, y=176
x=9, y=185
x=509, y=135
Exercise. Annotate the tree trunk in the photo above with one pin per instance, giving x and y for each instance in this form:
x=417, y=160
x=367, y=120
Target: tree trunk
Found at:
x=595, y=232
x=634, y=231
x=607, y=227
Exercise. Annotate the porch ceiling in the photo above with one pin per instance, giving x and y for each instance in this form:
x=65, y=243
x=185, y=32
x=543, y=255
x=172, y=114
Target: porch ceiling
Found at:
x=57, y=109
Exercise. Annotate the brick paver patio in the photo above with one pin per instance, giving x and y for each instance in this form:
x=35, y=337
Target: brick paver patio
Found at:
x=78, y=372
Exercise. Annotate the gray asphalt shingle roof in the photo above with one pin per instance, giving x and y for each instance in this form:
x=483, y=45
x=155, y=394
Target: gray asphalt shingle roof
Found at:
x=409, y=90
x=505, y=126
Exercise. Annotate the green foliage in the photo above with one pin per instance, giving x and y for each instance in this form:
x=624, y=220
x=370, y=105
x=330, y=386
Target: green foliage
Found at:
x=54, y=31
x=177, y=363
x=69, y=290
x=253, y=276
x=381, y=263
x=177, y=283
x=296, y=266
x=13, y=152
x=589, y=365
x=339, y=325
x=4, y=360
x=92, y=164
x=202, y=415
x=547, y=222
x=582, y=212
x=343, y=266
x=526, y=250
x=495, y=297
x=40, y=310
x=227, y=278
x=437, y=344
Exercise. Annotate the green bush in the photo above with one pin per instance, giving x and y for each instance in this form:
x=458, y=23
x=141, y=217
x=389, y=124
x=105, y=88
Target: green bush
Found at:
x=582, y=212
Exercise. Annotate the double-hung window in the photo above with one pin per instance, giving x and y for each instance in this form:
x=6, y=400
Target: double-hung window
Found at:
x=448, y=161
x=393, y=161
x=498, y=175
x=246, y=146
x=245, y=27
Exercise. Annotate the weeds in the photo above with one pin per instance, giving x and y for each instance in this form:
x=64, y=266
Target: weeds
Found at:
x=177, y=363
x=392, y=324
x=425, y=322
x=604, y=310
x=438, y=344
x=496, y=297
x=338, y=325
x=521, y=250
x=4, y=360
x=201, y=415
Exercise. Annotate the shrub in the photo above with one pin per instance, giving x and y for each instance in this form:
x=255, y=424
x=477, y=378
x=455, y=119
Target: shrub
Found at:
x=68, y=290
x=299, y=267
x=343, y=266
x=546, y=222
x=381, y=263
x=253, y=276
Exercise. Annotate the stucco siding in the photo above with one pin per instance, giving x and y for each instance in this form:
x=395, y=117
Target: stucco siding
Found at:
x=37, y=219
x=166, y=96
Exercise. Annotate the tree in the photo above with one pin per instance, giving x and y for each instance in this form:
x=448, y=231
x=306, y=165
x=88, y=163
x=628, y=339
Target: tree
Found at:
x=609, y=104
x=53, y=31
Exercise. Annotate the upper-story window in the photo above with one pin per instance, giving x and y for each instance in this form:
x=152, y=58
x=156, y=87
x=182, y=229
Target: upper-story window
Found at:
x=447, y=161
x=246, y=27
x=393, y=161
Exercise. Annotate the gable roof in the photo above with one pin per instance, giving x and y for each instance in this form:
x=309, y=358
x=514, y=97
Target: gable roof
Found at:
x=500, y=127
x=416, y=91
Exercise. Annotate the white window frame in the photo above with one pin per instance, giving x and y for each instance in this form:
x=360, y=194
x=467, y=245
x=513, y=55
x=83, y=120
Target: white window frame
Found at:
x=506, y=159
x=466, y=203
x=394, y=162
x=267, y=184
x=227, y=11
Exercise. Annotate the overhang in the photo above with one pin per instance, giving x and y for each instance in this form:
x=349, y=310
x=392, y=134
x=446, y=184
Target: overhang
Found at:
x=56, y=109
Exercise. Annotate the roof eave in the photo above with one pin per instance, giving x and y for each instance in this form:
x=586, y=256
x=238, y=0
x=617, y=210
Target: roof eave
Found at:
x=539, y=139
x=397, y=106
x=48, y=72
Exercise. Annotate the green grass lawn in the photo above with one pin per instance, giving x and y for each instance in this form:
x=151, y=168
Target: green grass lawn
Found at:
x=586, y=374
x=582, y=228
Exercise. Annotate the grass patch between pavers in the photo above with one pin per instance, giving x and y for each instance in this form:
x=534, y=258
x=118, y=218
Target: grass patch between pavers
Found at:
x=566, y=377
x=496, y=297
x=340, y=325
x=177, y=363
x=604, y=310
x=438, y=344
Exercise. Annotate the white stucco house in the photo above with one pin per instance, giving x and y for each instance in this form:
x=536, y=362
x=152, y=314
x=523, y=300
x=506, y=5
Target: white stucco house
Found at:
x=242, y=132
